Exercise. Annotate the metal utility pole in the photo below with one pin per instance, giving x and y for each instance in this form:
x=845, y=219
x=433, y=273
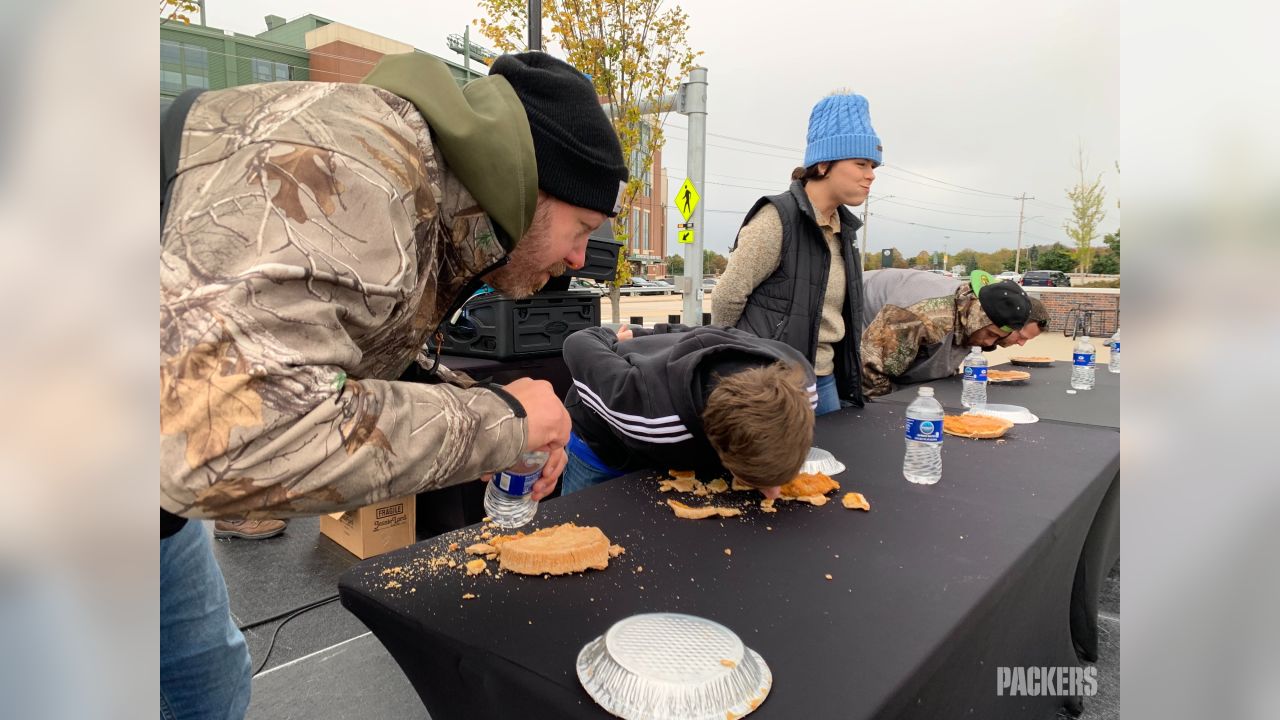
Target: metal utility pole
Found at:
x=866, y=213
x=1017, y=255
x=692, y=102
x=535, y=24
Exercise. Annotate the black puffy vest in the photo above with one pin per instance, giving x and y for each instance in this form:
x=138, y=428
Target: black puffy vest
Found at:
x=787, y=306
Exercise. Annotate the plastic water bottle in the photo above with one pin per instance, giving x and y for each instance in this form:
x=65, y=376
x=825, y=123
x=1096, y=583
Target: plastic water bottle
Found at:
x=508, y=500
x=923, y=462
x=1114, y=363
x=1082, y=358
x=974, y=393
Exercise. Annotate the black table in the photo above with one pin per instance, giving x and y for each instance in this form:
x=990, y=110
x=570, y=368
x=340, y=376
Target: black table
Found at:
x=1045, y=394
x=931, y=591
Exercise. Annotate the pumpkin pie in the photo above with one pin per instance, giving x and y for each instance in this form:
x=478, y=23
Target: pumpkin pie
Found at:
x=975, y=426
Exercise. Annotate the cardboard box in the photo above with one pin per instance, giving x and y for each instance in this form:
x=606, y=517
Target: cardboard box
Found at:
x=373, y=529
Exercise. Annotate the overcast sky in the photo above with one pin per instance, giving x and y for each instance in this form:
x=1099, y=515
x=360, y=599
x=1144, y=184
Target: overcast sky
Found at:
x=992, y=96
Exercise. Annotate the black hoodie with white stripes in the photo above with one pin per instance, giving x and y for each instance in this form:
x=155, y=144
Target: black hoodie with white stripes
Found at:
x=638, y=403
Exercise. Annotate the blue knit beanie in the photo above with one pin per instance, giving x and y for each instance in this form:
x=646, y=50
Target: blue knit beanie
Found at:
x=840, y=128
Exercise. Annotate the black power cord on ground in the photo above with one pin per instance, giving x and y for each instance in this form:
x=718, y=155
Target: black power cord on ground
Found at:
x=287, y=616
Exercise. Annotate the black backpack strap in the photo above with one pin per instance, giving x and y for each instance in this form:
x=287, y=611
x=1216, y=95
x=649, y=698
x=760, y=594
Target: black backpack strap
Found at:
x=171, y=121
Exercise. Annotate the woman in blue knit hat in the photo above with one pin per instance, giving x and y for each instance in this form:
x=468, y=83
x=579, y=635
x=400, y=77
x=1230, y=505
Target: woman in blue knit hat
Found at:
x=793, y=272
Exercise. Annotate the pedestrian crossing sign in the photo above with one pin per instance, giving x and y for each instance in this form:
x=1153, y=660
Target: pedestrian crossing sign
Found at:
x=684, y=237
x=686, y=199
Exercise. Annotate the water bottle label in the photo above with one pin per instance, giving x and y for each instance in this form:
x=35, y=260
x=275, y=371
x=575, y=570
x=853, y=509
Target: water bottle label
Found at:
x=975, y=374
x=1082, y=359
x=1115, y=346
x=924, y=430
x=517, y=484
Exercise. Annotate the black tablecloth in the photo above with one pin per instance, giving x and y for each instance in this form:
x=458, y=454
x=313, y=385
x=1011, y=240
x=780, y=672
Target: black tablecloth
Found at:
x=1045, y=394
x=931, y=591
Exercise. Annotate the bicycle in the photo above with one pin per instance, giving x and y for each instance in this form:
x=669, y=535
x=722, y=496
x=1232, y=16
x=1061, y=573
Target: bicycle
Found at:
x=1079, y=321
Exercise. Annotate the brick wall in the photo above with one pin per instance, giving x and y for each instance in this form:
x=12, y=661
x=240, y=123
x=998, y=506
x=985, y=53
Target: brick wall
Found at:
x=1104, y=302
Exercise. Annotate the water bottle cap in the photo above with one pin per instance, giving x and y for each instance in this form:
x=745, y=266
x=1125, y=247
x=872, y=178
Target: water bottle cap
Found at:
x=975, y=350
x=926, y=391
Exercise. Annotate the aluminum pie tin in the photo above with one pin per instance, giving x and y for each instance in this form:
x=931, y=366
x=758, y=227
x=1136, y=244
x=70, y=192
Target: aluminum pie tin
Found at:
x=660, y=666
x=1015, y=414
x=821, y=461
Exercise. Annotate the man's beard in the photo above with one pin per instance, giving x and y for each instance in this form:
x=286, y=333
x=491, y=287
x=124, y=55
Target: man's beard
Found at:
x=522, y=277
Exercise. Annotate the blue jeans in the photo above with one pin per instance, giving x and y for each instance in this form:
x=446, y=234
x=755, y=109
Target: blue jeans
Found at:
x=204, y=661
x=828, y=398
x=578, y=475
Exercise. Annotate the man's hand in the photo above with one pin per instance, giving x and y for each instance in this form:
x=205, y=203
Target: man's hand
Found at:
x=550, y=473
x=624, y=333
x=548, y=422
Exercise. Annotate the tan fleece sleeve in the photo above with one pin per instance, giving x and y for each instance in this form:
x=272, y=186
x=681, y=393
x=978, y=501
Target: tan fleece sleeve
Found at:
x=758, y=254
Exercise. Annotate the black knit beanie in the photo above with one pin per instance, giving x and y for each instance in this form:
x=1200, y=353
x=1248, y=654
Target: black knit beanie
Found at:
x=579, y=158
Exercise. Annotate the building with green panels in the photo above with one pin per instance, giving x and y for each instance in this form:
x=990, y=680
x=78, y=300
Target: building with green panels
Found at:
x=210, y=58
x=205, y=57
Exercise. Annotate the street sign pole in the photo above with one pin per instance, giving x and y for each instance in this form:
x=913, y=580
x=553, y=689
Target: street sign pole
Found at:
x=694, y=96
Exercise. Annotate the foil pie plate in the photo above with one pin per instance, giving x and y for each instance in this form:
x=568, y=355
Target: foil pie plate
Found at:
x=821, y=461
x=1015, y=414
x=664, y=666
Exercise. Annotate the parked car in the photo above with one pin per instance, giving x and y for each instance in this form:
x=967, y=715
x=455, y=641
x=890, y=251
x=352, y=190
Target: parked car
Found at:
x=1009, y=275
x=585, y=284
x=708, y=284
x=943, y=273
x=641, y=286
x=1046, y=278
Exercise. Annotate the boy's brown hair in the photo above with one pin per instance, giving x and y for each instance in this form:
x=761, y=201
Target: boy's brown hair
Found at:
x=760, y=423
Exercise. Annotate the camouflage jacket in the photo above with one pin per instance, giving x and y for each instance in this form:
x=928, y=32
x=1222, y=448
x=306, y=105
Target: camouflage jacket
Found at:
x=315, y=239
x=919, y=343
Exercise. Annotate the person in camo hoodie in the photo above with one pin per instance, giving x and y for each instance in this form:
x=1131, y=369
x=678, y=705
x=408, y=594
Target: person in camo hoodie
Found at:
x=918, y=326
x=314, y=238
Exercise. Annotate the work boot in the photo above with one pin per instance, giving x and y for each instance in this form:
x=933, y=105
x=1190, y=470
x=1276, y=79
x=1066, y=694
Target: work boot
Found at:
x=248, y=529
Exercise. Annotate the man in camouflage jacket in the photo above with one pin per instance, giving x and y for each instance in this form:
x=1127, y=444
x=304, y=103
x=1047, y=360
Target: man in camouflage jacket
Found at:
x=314, y=237
x=918, y=326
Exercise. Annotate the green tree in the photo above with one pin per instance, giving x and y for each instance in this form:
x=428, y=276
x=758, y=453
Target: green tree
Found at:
x=995, y=262
x=1056, y=258
x=675, y=264
x=634, y=51
x=713, y=263
x=898, y=260
x=1107, y=261
x=1087, y=199
x=871, y=261
x=922, y=259
x=967, y=257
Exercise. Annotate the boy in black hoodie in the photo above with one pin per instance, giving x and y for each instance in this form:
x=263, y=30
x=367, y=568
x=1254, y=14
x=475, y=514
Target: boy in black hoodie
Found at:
x=707, y=399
